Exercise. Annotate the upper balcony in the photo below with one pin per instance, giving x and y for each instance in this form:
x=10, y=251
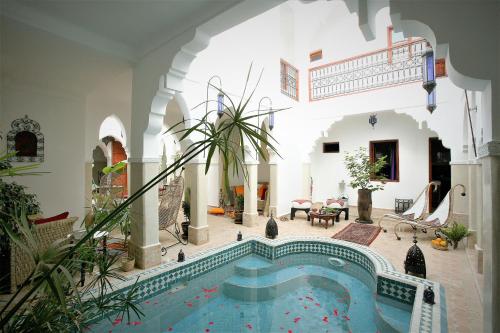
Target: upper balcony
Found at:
x=395, y=65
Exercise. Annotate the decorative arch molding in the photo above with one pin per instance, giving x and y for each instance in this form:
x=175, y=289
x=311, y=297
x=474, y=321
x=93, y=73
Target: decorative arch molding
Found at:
x=113, y=126
x=26, y=129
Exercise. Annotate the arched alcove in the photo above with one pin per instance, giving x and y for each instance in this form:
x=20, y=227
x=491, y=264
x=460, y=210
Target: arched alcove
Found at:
x=26, y=140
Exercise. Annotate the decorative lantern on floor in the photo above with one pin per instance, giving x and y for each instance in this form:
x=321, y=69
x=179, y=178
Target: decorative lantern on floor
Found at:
x=415, y=261
x=271, y=228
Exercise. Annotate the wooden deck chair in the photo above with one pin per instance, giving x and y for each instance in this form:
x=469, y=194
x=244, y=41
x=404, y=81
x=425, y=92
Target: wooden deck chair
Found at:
x=168, y=210
x=416, y=212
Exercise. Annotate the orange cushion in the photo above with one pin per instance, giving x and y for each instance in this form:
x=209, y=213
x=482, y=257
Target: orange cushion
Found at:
x=216, y=211
x=239, y=190
x=261, y=191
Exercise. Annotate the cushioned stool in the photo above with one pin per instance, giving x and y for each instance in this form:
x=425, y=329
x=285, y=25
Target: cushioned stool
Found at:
x=300, y=204
x=342, y=204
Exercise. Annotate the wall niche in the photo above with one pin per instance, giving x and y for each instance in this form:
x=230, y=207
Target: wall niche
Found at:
x=26, y=139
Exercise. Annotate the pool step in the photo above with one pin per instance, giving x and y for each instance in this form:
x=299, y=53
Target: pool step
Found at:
x=254, y=266
x=279, y=282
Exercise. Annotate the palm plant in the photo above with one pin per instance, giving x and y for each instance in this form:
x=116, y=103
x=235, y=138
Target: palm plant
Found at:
x=53, y=300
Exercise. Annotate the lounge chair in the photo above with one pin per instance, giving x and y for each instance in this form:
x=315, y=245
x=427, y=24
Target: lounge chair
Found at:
x=168, y=210
x=440, y=218
x=415, y=213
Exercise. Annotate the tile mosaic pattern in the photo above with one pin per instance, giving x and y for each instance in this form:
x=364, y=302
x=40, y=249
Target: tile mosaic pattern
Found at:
x=392, y=284
x=396, y=290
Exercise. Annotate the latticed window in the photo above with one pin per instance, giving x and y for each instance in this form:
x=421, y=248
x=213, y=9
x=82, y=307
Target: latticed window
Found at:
x=289, y=80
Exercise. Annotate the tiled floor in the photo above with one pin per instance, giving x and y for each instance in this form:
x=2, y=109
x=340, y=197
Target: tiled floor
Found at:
x=450, y=268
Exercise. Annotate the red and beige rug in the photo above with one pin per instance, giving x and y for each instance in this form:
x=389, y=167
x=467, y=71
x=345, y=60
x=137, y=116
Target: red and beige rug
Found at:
x=359, y=233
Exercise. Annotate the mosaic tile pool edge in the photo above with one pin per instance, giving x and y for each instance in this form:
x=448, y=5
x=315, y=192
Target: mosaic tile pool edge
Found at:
x=392, y=284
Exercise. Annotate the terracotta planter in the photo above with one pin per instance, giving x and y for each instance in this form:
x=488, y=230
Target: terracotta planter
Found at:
x=127, y=264
x=364, y=206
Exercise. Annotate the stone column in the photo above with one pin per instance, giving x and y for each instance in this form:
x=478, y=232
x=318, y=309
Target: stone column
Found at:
x=490, y=160
x=460, y=175
x=273, y=183
x=250, y=214
x=88, y=187
x=144, y=242
x=196, y=181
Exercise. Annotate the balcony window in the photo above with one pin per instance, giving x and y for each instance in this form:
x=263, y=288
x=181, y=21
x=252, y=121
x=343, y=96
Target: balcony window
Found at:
x=289, y=80
x=388, y=148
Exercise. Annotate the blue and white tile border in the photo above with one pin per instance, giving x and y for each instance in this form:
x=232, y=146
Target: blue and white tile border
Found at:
x=390, y=283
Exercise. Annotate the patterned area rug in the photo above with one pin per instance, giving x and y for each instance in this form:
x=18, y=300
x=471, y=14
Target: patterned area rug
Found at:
x=363, y=234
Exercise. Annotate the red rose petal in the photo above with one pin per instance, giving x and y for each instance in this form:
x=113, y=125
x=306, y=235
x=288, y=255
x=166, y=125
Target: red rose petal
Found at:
x=325, y=319
x=336, y=312
x=170, y=329
x=296, y=319
x=317, y=304
x=211, y=323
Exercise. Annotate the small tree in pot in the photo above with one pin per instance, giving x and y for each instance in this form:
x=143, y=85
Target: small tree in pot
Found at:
x=186, y=208
x=362, y=171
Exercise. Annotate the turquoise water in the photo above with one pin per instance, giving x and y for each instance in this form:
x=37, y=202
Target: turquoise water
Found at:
x=296, y=293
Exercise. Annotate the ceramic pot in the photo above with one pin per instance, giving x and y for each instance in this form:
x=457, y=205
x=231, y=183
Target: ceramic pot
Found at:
x=364, y=206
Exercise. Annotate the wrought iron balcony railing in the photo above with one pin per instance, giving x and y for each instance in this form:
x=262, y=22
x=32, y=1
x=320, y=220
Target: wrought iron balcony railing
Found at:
x=289, y=80
x=379, y=69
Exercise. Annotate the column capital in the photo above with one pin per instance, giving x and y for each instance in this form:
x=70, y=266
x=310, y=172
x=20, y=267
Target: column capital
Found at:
x=143, y=160
x=489, y=149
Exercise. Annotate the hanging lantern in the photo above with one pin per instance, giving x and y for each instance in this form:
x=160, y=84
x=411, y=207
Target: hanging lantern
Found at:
x=271, y=228
x=220, y=104
x=271, y=120
x=373, y=120
x=431, y=101
x=415, y=261
x=428, y=75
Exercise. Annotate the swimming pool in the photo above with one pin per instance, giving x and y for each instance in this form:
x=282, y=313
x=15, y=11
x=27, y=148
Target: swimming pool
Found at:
x=290, y=285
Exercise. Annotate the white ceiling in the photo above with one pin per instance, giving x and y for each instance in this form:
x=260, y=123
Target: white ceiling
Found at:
x=129, y=27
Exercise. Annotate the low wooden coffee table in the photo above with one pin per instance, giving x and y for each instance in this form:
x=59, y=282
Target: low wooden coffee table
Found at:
x=325, y=217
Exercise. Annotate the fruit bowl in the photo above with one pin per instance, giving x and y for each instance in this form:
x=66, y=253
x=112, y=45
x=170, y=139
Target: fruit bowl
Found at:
x=440, y=244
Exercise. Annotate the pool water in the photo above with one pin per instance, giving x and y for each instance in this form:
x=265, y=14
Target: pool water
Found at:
x=296, y=293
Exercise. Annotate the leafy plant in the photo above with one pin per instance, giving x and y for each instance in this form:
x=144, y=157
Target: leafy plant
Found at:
x=186, y=204
x=12, y=198
x=455, y=233
x=240, y=202
x=14, y=315
x=362, y=170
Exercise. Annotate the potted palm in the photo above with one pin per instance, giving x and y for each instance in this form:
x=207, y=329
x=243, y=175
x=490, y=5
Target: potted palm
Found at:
x=455, y=233
x=362, y=171
x=239, y=207
x=128, y=261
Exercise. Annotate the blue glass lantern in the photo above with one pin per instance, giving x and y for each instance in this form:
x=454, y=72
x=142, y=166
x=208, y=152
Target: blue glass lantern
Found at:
x=428, y=75
x=271, y=120
x=431, y=101
x=220, y=104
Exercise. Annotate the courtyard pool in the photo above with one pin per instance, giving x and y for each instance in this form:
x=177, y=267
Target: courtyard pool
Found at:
x=263, y=288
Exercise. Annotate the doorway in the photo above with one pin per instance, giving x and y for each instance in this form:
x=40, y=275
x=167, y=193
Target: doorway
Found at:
x=439, y=170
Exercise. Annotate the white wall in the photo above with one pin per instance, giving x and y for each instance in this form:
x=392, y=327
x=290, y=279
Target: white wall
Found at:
x=69, y=89
x=290, y=34
x=328, y=169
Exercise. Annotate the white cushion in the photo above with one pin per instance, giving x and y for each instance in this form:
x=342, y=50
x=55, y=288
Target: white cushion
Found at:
x=303, y=205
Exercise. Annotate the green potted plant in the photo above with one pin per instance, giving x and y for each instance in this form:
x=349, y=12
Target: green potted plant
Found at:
x=128, y=261
x=12, y=198
x=238, y=209
x=362, y=171
x=455, y=233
